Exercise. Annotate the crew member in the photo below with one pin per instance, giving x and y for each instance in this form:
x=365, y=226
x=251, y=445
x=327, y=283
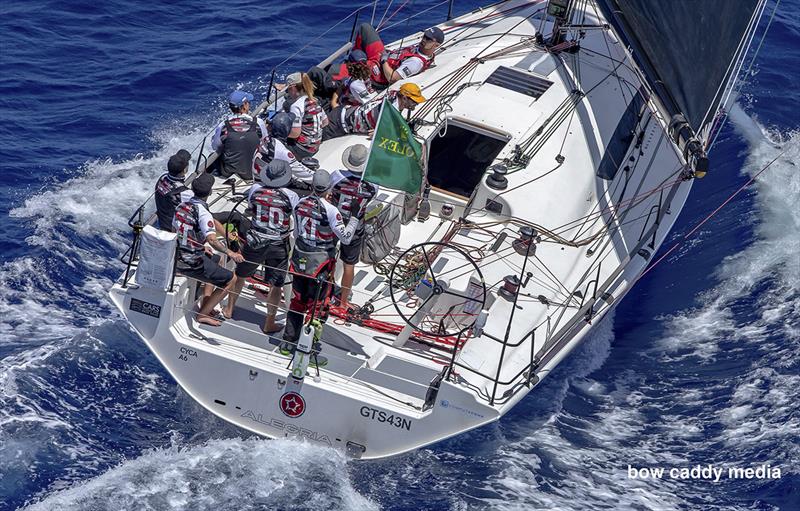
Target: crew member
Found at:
x=236, y=138
x=389, y=67
x=170, y=189
x=309, y=118
x=267, y=239
x=195, y=227
x=274, y=147
x=350, y=189
x=353, y=84
x=363, y=119
x=318, y=227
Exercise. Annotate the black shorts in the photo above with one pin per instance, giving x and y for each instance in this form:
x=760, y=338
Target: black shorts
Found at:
x=274, y=257
x=210, y=272
x=350, y=254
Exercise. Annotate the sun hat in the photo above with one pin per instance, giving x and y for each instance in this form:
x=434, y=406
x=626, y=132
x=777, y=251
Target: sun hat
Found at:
x=355, y=157
x=321, y=182
x=277, y=174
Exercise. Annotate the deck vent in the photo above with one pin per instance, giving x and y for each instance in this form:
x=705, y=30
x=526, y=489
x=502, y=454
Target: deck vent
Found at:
x=519, y=81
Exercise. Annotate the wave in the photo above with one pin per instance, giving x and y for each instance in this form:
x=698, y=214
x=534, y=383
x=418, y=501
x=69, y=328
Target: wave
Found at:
x=232, y=473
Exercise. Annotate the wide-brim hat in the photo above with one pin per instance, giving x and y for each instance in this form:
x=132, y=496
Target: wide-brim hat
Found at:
x=354, y=158
x=277, y=174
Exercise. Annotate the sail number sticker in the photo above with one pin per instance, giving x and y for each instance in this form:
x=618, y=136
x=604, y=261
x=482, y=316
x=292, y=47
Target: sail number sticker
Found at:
x=397, y=421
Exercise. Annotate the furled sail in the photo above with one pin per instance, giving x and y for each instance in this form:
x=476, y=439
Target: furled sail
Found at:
x=688, y=49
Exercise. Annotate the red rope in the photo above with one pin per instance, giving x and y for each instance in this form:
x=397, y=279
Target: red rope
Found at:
x=707, y=218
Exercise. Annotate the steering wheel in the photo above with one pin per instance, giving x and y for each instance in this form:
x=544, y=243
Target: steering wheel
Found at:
x=413, y=272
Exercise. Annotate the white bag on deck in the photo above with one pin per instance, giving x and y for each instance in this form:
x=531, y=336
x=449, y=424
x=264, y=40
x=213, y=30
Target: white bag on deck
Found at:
x=156, y=255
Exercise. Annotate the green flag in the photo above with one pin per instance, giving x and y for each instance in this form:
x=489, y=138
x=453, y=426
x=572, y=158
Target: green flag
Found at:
x=395, y=156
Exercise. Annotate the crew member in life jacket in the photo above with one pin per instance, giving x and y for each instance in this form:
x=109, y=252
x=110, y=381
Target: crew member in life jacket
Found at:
x=236, y=138
x=170, y=189
x=318, y=226
x=350, y=189
x=363, y=119
x=195, y=227
x=389, y=67
x=274, y=147
x=353, y=86
x=267, y=239
x=309, y=118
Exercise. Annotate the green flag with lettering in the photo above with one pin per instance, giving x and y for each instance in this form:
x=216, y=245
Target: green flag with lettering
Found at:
x=395, y=156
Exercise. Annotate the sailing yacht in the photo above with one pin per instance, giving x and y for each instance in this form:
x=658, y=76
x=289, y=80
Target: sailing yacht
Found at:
x=561, y=142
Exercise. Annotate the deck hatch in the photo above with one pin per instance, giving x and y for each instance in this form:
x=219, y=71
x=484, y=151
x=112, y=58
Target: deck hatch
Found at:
x=519, y=81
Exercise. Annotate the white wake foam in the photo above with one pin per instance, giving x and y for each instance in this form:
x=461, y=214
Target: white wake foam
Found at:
x=220, y=474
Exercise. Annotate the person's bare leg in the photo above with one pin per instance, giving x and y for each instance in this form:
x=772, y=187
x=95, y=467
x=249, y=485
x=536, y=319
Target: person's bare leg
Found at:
x=212, y=301
x=273, y=298
x=348, y=272
x=235, y=291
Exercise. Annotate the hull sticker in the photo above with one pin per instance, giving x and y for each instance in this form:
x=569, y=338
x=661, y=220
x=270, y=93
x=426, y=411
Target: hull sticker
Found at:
x=146, y=308
x=381, y=416
x=292, y=404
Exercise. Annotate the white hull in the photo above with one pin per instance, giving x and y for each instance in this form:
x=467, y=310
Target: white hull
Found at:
x=371, y=398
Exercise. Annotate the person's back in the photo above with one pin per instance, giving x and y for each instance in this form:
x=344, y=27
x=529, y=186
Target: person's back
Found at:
x=237, y=137
x=313, y=227
x=192, y=222
x=274, y=147
x=171, y=190
x=310, y=119
x=240, y=137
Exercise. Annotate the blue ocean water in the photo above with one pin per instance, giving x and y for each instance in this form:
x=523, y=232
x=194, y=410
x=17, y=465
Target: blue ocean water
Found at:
x=699, y=365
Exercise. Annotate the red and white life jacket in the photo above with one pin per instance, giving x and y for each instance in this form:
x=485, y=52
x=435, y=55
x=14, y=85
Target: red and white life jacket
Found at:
x=397, y=57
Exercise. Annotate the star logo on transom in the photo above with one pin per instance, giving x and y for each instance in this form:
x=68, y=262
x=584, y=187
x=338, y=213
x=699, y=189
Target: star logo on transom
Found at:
x=292, y=404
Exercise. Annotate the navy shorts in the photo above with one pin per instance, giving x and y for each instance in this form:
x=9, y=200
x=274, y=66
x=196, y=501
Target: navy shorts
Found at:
x=210, y=272
x=274, y=257
x=350, y=254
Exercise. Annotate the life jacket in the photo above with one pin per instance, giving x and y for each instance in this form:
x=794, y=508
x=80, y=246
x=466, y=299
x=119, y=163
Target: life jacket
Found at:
x=272, y=220
x=314, y=232
x=240, y=137
x=311, y=126
x=397, y=57
x=349, y=188
x=186, y=223
x=265, y=153
x=168, y=196
x=364, y=118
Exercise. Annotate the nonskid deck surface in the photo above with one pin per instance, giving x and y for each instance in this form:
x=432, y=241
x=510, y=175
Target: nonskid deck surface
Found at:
x=364, y=361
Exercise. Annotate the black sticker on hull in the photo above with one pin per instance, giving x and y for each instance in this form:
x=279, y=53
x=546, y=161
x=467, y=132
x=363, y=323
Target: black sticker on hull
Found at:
x=146, y=308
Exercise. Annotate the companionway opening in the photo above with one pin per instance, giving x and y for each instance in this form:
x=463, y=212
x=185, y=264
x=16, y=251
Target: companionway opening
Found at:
x=460, y=154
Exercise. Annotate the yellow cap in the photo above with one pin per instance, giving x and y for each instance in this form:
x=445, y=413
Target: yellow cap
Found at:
x=412, y=92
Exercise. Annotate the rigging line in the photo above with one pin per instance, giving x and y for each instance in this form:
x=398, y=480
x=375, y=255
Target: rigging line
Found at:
x=734, y=66
x=287, y=59
x=619, y=217
x=413, y=16
x=711, y=215
x=374, y=8
x=749, y=68
x=385, y=11
x=393, y=15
